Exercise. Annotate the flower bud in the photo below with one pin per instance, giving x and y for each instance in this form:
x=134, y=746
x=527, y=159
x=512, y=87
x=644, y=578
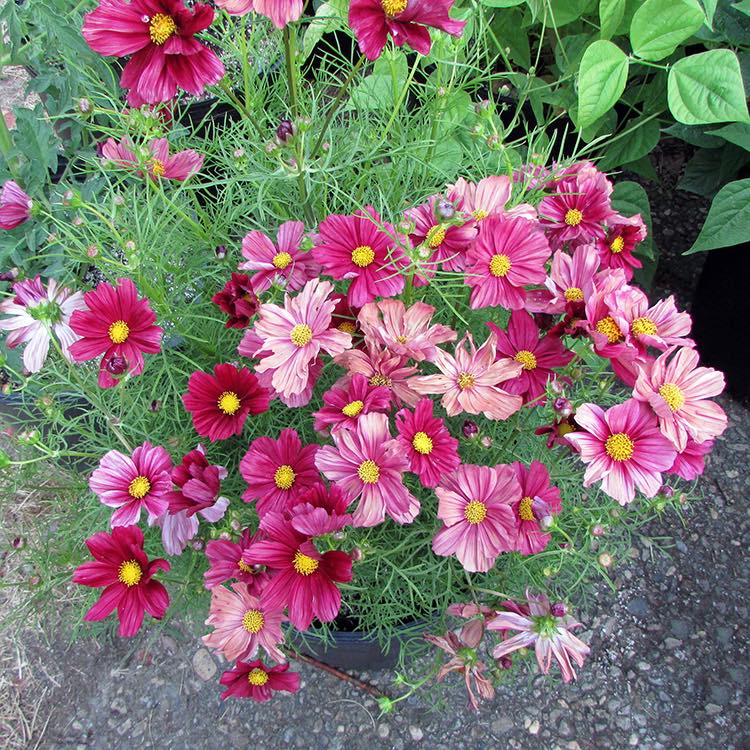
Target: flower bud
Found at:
x=239, y=152
x=197, y=544
x=83, y=105
x=605, y=560
x=285, y=131
x=558, y=609
x=563, y=407
x=119, y=200
x=504, y=662
x=357, y=554
x=470, y=429
x=486, y=441
x=598, y=530
x=77, y=221
x=666, y=491
x=221, y=251
x=235, y=525
x=92, y=251
x=11, y=275
x=18, y=543
x=116, y=365
x=385, y=705
x=155, y=405
x=493, y=141
x=444, y=209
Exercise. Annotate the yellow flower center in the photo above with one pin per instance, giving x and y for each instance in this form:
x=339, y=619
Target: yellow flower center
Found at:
x=617, y=245
x=369, y=472
x=466, y=380
x=526, y=358
x=436, y=236
x=353, y=409
x=643, y=326
x=157, y=167
x=161, y=28
x=119, y=332
x=304, y=564
x=139, y=487
x=253, y=621
x=422, y=443
x=379, y=379
x=673, y=395
x=402, y=339
x=130, y=573
x=229, y=403
x=362, y=256
x=257, y=677
x=394, y=7
x=610, y=329
x=348, y=327
x=479, y=214
x=281, y=260
x=284, y=477
x=574, y=294
x=475, y=512
x=243, y=566
x=619, y=446
x=301, y=334
x=525, y=512
x=500, y=265
x=573, y=217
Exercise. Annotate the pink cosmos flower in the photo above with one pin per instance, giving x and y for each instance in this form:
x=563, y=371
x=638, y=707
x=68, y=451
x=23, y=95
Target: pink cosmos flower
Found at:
x=156, y=159
x=488, y=197
x=302, y=578
x=691, y=463
x=406, y=332
x=407, y=21
x=130, y=483
x=15, y=205
x=368, y=464
x=295, y=334
x=281, y=12
x=539, y=501
x=475, y=505
x=615, y=250
x=679, y=391
x=623, y=448
x=199, y=486
x=36, y=313
x=425, y=439
x=160, y=37
x=238, y=301
x=354, y=247
x=177, y=529
x=550, y=635
x=537, y=356
x=507, y=255
x=277, y=471
x=225, y=558
x=256, y=681
x=320, y=510
x=344, y=404
x=235, y=7
x=121, y=566
x=242, y=624
x=571, y=281
x=118, y=325
x=284, y=263
x=470, y=380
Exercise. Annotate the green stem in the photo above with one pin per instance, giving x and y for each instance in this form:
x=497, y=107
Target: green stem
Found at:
x=239, y=106
x=397, y=107
x=291, y=68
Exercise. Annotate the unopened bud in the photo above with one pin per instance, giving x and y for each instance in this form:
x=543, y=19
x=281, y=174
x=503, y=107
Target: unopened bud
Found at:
x=486, y=441
x=116, y=365
x=470, y=429
x=598, y=530
x=221, y=251
x=605, y=560
x=563, y=407
x=285, y=131
x=445, y=209
x=558, y=609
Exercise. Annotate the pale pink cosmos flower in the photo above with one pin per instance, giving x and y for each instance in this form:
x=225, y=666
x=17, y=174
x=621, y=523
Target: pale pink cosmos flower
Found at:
x=157, y=160
x=406, y=332
x=488, y=197
x=570, y=282
x=469, y=380
x=295, y=334
x=235, y=7
x=549, y=635
x=35, y=314
x=15, y=206
x=281, y=12
x=367, y=463
x=679, y=392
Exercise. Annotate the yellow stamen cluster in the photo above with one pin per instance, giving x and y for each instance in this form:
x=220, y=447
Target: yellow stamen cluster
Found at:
x=525, y=511
x=466, y=380
x=369, y=472
x=243, y=566
x=257, y=677
x=161, y=27
x=301, y=334
x=475, y=512
x=394, y=7
x=574, y=294
x=402, y=339
x=573, y=217
x=610, y=329
x=348, y=327
x=130, y=573
x=139, y=487
x=281, y=260
x=229, y=403
x=436, y=236
x=304, y=564
x=422, y=443
x=253, y=621
x=619, y=446
x=353, y=409
x=284, y=477
x=617, y=245
x=479, y=214
x=157, y=167
x=363, y=256
x=643, y=327
x=526, y=358
x=673, y=396
x=119, y=332
x=379, y=379
x=500, y=265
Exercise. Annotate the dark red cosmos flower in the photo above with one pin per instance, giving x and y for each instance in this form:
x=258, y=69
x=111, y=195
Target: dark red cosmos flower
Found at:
x=320, y=510
x=238, y=300
x=122, y=567
x=225, y=558
x=160, y=37
x=254, y=680
x=199, y=484
x=221, y=402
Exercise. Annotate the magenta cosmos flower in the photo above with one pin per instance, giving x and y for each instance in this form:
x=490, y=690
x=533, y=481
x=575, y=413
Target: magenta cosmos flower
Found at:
x=407, y=22
x=155, y=159
x=220, y=403
x=130, y=483
x=549, y=635
x=571, y=281
x=623, y=448
x=320, y=510
x=242, y=624
x=615, y=250
x=301, y=578
x=118, y=325
x=538, y=503
x=344, y=404
x=432, y=451
x=122, y=567
x=160, y=37
x=475, y=506
x=295, y=334
x=284, y=263
x=355, y=247
x=508, y=255
x=488, y=197
x=15, y=206
x=238, y=300
x=537, y=356
x=408, y=332
x=679, y=392
x=225, y=560
x=691, y=463
x=256, y=681
x=36, y=314
x=469, y=381
x=368, y=464
x=276, y=471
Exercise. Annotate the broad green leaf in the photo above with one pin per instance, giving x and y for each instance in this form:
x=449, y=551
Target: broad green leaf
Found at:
x=643, y=168
x=728, y=220
x=601, y=80
x=695, y=135
x=736, y=132
x=642, y=137
x=709, y=6
x=629, y=198
x=659, y=26
x=611, y=13
x=511, y=35
x=743, y=7
x=709, y=169
x=707, y=88
x=330, y=16
x=381, y=89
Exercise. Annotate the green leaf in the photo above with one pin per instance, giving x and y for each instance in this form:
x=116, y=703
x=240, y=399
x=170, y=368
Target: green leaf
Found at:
x=641, y=139
x=329, y=17
x=629, y=198
x=736, y=132
x=709, y=6
x=659, y=26
x=643, y=168
x=382, y=87
x=501, y=3
x=709, y=169
x=695, y=135
x=707, y=88
x=601, y=80
x=728, y=220
x=611, y=13
x=511, y=35
x=743, y=7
